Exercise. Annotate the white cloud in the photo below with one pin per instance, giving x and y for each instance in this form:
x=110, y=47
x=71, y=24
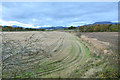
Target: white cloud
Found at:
x=46, y=26
x=48, y=19
x=38, y=26
x=34, y=20
x=115, y=21
x=79, y=23
x=10, y=23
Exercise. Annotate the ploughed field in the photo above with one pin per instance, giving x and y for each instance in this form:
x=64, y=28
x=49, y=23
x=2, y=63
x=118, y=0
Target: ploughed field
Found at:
x=110, y=37
x=47, y=55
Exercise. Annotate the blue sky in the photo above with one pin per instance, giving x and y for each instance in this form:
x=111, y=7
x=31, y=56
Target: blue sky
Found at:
x=46, y=14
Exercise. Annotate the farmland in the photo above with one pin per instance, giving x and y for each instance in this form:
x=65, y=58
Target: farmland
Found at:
x=52, y=54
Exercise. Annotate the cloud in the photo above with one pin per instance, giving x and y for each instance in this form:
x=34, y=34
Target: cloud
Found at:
x=59, y=13
x=11, y=23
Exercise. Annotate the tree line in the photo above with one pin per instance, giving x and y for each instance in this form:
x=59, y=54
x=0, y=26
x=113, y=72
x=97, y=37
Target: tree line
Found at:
x=100, y=28
x=10, y=28
x=87, y=28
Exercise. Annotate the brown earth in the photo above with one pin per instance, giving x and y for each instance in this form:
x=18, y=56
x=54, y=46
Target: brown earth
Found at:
x=102, y=40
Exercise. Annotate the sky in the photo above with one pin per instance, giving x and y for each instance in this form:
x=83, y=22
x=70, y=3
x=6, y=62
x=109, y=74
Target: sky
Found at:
x=47, y=14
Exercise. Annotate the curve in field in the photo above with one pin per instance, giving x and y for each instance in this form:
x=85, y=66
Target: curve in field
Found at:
x=67, y=54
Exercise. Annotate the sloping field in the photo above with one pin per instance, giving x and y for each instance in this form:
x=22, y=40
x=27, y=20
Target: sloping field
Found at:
x=47, y=55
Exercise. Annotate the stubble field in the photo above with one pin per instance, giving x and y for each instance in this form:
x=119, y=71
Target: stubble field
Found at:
x=49, y=55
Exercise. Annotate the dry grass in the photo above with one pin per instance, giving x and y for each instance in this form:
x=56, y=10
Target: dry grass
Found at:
x=108, y=39
x=51, y=55
x=102, y=45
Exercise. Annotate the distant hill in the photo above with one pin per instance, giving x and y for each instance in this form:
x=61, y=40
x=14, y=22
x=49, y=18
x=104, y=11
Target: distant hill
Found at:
x=12, y=26
x=61, y=27
x=57, y=27
x=15, y=26
x=100, y=27
x=104, y=22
